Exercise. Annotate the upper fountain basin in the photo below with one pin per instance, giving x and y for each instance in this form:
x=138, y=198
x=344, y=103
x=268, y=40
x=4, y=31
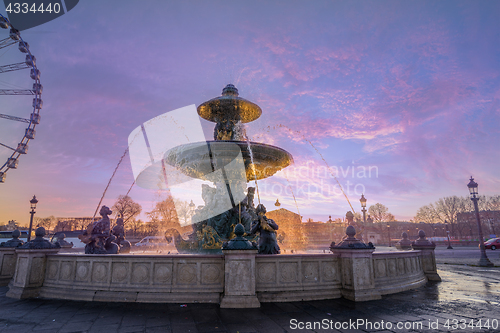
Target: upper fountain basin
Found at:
x=201, y=159
x=229, y=107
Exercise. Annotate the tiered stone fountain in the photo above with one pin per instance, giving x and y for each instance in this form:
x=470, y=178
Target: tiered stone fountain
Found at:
x=230, y=161
x=236, y=278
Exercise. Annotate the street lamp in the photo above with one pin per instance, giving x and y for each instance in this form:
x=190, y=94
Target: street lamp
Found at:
x=363, y=206
x=389, y=233
x=331, y=229
x=33, y=203
x=448, y=234
x=484, y=261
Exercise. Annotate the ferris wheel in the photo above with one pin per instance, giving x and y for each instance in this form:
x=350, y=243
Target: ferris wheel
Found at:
x=23, y=114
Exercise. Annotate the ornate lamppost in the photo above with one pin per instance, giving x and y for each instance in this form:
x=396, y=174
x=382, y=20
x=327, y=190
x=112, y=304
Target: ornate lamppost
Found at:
x=331, y=228
x=33, y=203
x=363, y=207
x=484, y=261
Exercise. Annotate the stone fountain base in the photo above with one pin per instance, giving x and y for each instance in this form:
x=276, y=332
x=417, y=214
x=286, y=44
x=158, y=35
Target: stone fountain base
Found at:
x=232, y=279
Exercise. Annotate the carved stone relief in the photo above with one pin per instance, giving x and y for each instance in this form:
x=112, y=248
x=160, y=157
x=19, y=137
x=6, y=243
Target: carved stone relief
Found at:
x=401, y=266
x=391, y=265
x=66, y=270
x=82, y=271
x=266, y=272
x=329, y=271
x=140, y=273
x=162, y=274
x=36, y=269
x=288, y=272
x=52, y=270
x=380, y=265
x=99, y=271
x=210, y=274
x=120, y=272
x=310, y=271
x=186, y=274
x=8, y=264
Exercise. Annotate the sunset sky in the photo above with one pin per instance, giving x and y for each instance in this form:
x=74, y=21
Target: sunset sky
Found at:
x=409, y=90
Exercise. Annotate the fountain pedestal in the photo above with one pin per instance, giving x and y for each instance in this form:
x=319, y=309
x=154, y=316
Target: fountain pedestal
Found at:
x=239, y=283
x=358, y=283
x=356, y=263
x=428, y=257
x=239, y=277
x=30, y=273
x=30, y=266
x=7, y=264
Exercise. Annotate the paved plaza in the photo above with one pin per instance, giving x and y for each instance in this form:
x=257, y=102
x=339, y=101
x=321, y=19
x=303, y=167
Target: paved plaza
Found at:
x=467, y=300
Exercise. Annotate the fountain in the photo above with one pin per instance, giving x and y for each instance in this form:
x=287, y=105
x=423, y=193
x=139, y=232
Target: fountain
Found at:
x=233, y=275
x=230, y=161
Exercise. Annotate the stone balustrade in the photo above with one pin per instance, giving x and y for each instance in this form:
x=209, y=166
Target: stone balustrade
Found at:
x=235, y=279
x=135, y=278
x=287, y=278
x=398, y=271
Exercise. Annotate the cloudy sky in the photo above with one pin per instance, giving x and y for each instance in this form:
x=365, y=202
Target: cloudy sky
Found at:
x=409, y=90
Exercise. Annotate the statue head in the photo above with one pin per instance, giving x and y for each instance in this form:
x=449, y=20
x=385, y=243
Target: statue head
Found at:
x=349, y=217
x=105, y=211
x=261, y=209
x=119, y=221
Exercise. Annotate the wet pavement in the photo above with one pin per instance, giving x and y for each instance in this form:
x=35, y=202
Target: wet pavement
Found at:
x=467, y=300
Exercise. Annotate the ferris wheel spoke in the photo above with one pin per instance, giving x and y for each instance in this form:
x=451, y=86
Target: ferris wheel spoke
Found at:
x=17, y=92
x=6, y=116
x=14, y=67
x=7, y=42
x=1, y=144
x=22, y=148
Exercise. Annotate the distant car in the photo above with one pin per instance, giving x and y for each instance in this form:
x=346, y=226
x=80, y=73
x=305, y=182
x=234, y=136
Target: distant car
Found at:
x=493, y=244
x=153, y=241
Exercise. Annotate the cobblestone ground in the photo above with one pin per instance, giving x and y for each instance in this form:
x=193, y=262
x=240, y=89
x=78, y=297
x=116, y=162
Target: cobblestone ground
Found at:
x=467, y=295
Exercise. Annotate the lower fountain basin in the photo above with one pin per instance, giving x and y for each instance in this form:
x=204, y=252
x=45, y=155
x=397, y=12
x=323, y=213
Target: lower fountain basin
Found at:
x=201, y=159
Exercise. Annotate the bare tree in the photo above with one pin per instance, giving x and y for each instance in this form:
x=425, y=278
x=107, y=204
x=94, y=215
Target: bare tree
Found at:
x=380, y=213
x=126, y=208
x=46, y=222
x=183, y=210
x=134, y=226
x=164, y=216
x=427, y=214
x=447, y=209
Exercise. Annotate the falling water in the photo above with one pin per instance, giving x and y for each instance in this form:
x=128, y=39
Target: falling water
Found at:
x=112, y=176
x=120, y=161
x=293, y=195
x=130, y=189
x=109, y=182
x=329, y=169
x=253, y=168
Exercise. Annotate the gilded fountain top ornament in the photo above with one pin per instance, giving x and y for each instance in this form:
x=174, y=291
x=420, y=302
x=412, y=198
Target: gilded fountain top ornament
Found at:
x=229, y=107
